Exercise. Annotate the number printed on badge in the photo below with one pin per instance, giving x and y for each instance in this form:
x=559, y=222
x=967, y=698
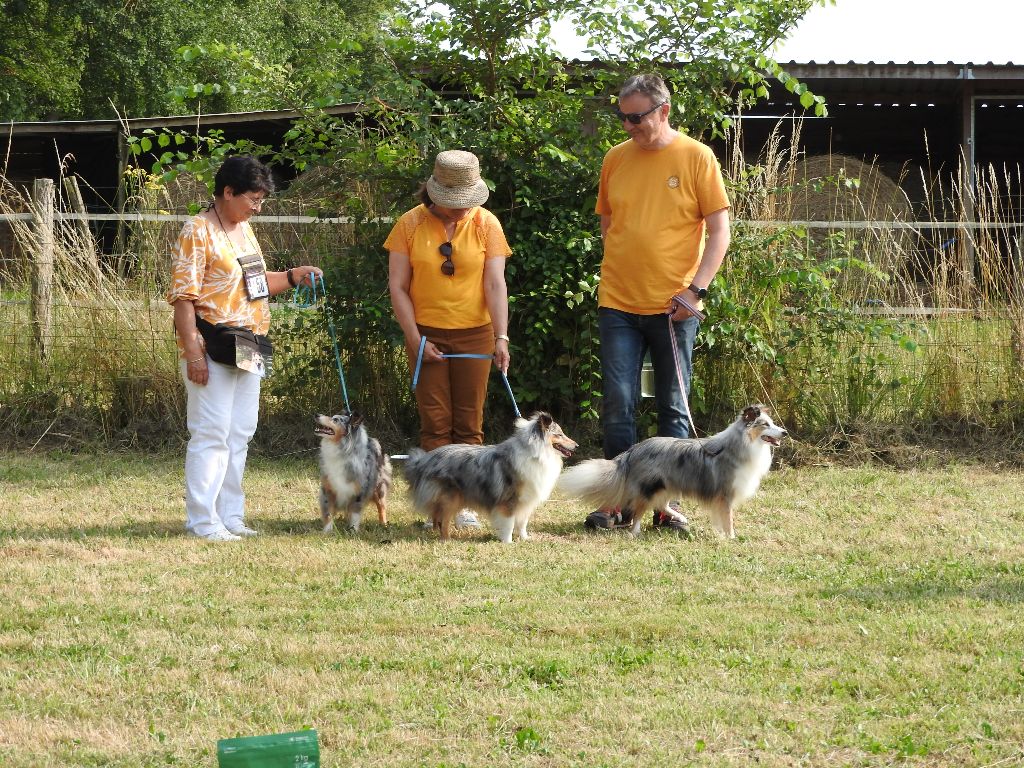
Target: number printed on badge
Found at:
x=257, y=285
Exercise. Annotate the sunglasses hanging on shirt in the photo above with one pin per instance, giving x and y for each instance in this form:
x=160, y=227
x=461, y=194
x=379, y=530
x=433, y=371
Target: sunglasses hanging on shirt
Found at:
x=447, y=266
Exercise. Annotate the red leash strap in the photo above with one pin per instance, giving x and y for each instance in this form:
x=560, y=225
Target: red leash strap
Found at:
x=677, y=359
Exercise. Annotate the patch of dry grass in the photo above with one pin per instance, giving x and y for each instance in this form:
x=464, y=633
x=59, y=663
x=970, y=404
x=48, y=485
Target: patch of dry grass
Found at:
x=863, y=617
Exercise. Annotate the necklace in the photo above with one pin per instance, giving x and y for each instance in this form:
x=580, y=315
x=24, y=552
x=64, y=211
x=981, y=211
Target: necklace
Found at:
x=449, y=225
x=228, y=236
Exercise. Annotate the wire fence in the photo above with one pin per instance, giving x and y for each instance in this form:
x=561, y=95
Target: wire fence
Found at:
x=108, y=361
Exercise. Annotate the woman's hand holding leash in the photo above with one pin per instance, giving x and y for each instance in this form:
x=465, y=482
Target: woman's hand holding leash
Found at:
x=305, y=274
x=501, y=355
x=431, y=354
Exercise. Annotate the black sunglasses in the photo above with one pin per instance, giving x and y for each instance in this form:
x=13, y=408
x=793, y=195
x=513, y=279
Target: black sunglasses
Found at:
x=637, y=117
x=448, y=266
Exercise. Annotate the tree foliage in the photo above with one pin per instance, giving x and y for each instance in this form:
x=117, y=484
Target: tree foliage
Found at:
x=97, y=58
x=40, y=60
x=482, y=75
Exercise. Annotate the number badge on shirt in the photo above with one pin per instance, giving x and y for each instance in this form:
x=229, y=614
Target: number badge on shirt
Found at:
x=254, y=276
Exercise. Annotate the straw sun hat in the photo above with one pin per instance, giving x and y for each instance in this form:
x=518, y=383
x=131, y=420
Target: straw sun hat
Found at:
x=456, y=181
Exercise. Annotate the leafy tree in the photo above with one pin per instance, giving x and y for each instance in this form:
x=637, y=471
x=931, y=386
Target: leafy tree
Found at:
x=40, y=60
x=481, y=75
x=96, y=58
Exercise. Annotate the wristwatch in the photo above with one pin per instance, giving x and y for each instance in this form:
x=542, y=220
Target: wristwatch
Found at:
x=700, y=293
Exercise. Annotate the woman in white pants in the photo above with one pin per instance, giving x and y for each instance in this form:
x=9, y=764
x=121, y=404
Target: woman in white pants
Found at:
x=219, y=278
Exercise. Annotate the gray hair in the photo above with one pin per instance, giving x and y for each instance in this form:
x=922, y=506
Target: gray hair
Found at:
x=651, y=86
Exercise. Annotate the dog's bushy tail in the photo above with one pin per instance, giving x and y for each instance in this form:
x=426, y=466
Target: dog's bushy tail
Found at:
x=597, y=481
x=413, y=469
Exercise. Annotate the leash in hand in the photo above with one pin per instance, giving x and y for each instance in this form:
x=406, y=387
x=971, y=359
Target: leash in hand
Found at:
x=306, y=297
x=677, y=358
x=471, y=355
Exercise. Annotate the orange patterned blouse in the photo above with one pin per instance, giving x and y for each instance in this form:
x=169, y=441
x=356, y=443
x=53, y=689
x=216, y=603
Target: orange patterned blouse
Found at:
x=205, y=271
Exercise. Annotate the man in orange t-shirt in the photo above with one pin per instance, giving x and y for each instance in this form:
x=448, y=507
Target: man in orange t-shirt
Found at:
x=665, y=223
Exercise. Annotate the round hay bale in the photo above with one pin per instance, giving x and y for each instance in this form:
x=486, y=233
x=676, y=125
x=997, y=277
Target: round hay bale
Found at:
x=840, y=188
x=824, y=195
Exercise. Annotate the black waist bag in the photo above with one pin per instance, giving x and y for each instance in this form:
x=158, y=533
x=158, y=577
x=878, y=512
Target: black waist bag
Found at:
x=237, y=347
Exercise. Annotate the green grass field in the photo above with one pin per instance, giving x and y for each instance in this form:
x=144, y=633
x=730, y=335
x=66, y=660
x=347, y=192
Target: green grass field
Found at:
x=863, y=617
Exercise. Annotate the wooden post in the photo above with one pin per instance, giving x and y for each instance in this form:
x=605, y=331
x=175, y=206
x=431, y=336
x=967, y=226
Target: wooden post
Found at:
x=968, y=183
x=43, y=198
x=85, y=244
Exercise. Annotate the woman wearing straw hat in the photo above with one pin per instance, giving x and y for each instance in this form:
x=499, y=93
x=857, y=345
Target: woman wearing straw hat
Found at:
x=447, y=282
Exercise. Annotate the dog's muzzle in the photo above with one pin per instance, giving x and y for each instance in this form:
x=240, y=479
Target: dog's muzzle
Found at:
x=321, y=429
x=563, y=449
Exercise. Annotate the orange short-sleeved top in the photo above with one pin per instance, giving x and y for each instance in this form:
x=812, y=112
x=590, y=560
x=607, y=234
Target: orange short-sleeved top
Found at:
x=441, y=301
x=657, y=200
x=205, y=271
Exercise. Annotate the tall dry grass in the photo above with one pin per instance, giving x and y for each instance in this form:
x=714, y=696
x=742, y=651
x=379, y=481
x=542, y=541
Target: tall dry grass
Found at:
x=956, y=285
x=112, y=374
x=107, y=370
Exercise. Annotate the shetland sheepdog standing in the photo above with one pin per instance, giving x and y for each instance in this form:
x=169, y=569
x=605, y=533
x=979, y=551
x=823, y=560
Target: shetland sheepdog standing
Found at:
x=353, y=470
x=506, y=482
x=720, y=472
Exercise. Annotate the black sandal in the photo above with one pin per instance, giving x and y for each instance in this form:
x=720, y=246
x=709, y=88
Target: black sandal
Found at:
x=608, y=519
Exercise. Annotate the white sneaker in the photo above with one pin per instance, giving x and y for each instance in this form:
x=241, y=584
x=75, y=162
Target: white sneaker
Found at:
x=467, y=519
x=244, y=531
x=221, y=535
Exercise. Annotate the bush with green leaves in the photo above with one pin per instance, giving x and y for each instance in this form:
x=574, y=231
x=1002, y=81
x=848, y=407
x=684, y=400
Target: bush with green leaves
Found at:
x=458, y=79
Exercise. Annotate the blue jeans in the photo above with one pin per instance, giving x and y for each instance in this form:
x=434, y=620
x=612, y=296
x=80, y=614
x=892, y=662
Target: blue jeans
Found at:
x=625, y=339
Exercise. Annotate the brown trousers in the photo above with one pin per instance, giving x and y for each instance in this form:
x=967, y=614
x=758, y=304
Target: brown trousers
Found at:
x=450, y=395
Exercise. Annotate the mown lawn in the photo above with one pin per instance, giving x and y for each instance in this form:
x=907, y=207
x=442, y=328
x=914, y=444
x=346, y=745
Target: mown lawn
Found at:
x=863, y=617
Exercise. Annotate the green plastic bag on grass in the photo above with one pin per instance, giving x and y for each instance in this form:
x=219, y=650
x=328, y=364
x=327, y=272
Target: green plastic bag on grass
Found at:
x=300, y=749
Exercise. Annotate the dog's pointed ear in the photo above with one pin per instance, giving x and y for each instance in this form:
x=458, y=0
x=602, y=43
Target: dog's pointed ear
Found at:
x=355, y=420
x=544, y=420
x=750, y=413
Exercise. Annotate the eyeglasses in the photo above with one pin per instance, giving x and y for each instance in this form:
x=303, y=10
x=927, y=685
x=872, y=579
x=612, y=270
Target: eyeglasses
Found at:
x=448, y=266
x=637, y=117
x=256, y=203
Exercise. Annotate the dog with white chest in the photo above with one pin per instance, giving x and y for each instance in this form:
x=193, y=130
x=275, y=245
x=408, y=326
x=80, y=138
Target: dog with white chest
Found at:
x=506, y=482
x=353, y=470
x=720, y=472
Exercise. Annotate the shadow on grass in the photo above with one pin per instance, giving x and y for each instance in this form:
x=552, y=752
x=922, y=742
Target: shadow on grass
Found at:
x=994, y=586
x=369, y=533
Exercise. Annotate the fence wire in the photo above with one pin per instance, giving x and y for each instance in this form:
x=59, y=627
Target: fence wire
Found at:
x=111, y=366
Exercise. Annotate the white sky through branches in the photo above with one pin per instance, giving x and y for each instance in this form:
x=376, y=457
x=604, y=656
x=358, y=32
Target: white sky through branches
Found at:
x=893, y=30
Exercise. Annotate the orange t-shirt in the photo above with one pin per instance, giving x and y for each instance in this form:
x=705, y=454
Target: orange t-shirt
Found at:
x=657, y=200
x=205, y=271
x=439, y=300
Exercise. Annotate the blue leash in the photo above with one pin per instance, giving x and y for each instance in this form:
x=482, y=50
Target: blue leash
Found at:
x=471, y=355
x=304, y=298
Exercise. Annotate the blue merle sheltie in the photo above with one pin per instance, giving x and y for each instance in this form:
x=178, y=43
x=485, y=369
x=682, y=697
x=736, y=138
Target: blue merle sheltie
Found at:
x=353, y=470
x=720, y=472
x=506, y=482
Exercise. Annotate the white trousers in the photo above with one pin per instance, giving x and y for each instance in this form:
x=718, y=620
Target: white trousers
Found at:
x=221, y=418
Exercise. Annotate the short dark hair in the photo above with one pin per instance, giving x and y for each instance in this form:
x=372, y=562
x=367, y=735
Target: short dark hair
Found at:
x=243, y=173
